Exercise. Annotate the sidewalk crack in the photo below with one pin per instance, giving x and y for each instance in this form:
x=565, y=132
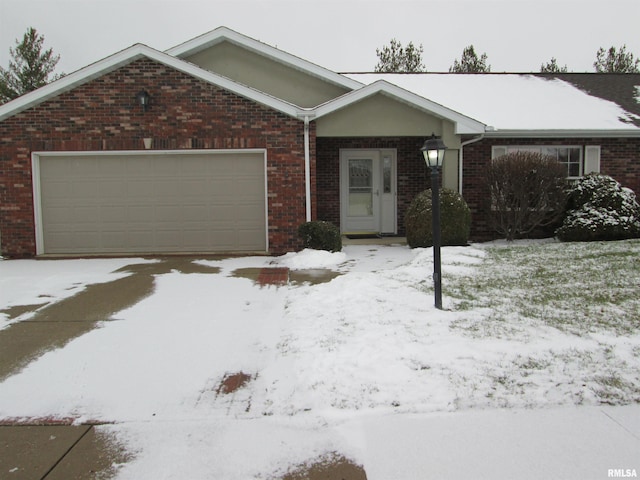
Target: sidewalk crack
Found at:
x=53, y=467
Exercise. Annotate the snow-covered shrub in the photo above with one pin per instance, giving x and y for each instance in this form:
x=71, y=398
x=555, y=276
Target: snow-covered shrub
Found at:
x=320, y=235
x=455, y=219
x=599, y=208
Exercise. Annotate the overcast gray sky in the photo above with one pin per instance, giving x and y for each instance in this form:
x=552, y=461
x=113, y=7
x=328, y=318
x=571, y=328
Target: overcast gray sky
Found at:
x=342, y=35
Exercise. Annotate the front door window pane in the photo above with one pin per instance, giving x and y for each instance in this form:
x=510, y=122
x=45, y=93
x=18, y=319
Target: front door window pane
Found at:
x=386, y=174
x=360, y=187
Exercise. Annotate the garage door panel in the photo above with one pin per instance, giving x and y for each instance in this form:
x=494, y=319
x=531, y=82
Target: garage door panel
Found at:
x=195, y=187
x=152, y=203
x=113, y=213
x=139, y=214
x=141, y=189
x=142, y=166
x=194, y=214
x=115, y=239
x=249, y=213
x=113, y=190
x=222, y=214
x=170, y=214
x=139, y=240
x=246, y=238
x=99, y=169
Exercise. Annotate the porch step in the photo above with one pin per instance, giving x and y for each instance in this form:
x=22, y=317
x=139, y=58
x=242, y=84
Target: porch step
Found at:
x=374, y=240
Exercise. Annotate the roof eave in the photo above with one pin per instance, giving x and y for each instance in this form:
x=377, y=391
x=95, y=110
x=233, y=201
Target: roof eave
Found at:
x=563, y=133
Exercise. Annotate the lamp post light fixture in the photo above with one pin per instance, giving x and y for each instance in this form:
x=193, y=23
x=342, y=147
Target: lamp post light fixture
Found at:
x=433, y=152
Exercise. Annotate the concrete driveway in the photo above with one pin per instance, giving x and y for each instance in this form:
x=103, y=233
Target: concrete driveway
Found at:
x=59, y=449
x=56, y=449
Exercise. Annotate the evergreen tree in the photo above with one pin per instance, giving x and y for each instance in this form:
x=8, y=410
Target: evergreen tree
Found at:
x=394, y=58
x=552, y=67
x=616, y=61
x=29, y=68
x=470, y=63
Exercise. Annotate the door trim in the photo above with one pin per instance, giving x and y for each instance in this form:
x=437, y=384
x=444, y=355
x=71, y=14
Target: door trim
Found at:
x=386, y=202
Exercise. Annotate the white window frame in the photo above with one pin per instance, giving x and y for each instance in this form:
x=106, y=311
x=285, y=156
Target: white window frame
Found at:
x=499, y=150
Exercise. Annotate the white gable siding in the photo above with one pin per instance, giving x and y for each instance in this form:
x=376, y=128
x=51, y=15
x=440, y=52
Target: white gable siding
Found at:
x=259, y=72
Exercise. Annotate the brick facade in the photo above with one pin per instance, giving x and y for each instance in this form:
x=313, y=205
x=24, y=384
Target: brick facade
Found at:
x=619, y=158
x=188, y=113
x=184, y=113
x=412, y=175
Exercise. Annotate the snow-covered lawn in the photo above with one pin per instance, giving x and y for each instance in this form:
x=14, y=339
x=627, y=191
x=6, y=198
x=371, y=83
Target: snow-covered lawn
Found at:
x=531, y=324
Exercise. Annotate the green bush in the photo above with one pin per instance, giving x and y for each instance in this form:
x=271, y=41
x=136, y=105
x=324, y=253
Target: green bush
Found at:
x=455, y=219
x=599, y=208
x=320, y=235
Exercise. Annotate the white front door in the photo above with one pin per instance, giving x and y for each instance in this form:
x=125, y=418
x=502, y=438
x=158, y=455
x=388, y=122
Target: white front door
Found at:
x=368, y=191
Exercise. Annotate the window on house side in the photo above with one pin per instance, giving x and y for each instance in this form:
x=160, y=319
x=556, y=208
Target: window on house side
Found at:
x=571, y=156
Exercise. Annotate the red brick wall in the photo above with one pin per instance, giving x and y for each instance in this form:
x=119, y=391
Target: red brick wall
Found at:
x=412, y=172
x=619, y=158
x=184, y=113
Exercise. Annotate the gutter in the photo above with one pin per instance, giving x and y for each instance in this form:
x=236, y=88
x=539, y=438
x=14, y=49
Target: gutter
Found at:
x=461, y=156
x=621, y=133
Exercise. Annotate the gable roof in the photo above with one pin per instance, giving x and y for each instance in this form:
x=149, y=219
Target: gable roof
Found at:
x=224, y=34
x=132, y=54
x=519, y=104
x=511, y=104
x=463, y=124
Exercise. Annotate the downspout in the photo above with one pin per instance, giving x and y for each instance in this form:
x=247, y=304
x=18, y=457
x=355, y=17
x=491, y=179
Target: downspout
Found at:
x=307, y=168
x=461, y=155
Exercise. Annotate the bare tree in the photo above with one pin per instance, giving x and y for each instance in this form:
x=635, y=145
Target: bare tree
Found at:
x=528, y=191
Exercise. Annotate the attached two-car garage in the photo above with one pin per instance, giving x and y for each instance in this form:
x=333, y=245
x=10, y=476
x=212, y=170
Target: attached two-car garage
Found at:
x=150, y=202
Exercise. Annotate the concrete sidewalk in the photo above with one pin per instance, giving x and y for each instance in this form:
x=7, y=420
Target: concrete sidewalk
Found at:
x=565, y=443
x=56, y=452
x=556, y=443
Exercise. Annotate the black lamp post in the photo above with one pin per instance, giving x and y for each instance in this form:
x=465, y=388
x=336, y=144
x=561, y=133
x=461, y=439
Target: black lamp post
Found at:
x=433, y=152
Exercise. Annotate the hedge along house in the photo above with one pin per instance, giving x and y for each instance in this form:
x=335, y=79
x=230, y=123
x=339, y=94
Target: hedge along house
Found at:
x=239, y=143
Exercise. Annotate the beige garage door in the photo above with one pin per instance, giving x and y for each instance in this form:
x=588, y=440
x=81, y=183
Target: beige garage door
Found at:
x=136, y=203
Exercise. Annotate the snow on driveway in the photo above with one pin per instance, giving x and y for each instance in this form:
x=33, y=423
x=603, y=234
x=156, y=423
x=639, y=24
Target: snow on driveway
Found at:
x=323, y=360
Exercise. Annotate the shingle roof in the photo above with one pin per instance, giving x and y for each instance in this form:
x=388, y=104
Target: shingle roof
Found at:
x=620, y=88
x=540, y=103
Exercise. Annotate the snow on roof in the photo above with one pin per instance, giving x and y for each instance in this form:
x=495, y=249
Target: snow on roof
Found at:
x=514, y=101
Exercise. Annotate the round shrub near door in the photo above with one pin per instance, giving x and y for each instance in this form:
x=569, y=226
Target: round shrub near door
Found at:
x=599, y=208
x=455, y=219
x=320, y=235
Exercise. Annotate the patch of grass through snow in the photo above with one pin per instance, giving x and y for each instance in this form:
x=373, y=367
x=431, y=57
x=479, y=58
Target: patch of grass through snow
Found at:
x=578, y=288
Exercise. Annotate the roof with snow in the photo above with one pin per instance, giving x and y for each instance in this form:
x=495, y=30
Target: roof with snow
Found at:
x=514, y=103
x=506, y=103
